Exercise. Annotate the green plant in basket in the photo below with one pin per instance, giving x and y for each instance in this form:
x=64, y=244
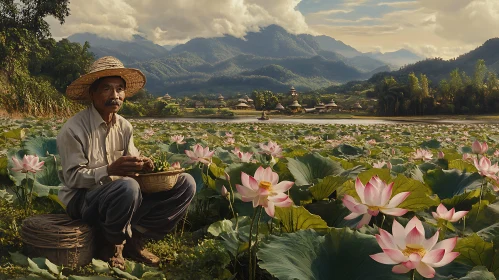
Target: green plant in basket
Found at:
x=161, y=163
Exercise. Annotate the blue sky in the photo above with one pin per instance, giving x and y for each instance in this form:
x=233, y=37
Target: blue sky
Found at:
x=432, y=28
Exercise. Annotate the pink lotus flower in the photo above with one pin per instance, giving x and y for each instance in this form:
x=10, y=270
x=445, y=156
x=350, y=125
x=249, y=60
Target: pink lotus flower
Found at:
x=372, y=142
x=265, y=190
x=441, y=155
x=375, y=198
x=379, y=164
x=272, y=149
x=468, y=157
x=389, y=165
x=236, y=151
x=479, y=148
x=229, y=135
x=225, y=193
x=200, y=154
x=496, y=153
x=409, y=249
x=448, y=215
x=229, y=141
x=485, y=167
x=176, y=165
x=30, y=163
x=179, y=139
x=423, y=154
x=245, y=157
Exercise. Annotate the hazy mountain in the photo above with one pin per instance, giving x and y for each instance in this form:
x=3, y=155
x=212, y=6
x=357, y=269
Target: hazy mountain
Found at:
x=272, y=41
x=399, y=58
x=138, y=49
x=330, y=44
x=270, y=58
x=188, y=69
x=438, y=69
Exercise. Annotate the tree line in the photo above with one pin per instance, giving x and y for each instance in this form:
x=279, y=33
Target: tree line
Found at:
x=458, y=94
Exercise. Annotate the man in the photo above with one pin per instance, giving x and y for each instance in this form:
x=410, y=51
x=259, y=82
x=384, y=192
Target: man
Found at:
x=98, y=160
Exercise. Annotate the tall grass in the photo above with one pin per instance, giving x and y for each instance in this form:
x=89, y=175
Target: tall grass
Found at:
x=26, y=95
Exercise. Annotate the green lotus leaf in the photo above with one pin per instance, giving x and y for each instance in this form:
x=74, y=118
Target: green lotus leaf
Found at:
x=340, y=254
x=482, y=215
x=41, y=146
x=448, y=183
x=296, y=218
x=333, y=213
x=307, y=169
x=347, y=151
x=479, y=273
x=430, y=144
x=17, y=134
x=462, y=165
x=382, y=173
x=419, y=199
x=325, y=187
x=474, y=251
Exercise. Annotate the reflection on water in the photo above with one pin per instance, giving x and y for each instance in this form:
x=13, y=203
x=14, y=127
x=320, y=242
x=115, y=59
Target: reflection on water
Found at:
x=327, y=121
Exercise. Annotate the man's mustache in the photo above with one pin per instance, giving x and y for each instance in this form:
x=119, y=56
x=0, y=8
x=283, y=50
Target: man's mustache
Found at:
x=113, y=102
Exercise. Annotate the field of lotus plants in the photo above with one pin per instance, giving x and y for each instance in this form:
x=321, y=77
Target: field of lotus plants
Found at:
x=282, y=201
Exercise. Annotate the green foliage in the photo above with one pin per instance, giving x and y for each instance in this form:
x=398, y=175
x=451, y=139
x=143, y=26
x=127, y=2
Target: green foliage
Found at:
x=205, y=261
x=298, y=218
x=341, y=254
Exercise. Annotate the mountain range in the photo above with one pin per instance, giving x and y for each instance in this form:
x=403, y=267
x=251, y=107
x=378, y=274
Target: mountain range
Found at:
x=271, y=59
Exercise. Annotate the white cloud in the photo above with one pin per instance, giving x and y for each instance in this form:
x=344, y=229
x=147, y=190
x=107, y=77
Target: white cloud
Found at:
x=174, y=21
x=401, y=4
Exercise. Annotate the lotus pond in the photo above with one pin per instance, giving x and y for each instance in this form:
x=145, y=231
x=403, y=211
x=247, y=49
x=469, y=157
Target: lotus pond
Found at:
x=289, y=201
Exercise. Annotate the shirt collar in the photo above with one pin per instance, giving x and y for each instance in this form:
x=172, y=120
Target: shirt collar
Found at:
x=97, y=118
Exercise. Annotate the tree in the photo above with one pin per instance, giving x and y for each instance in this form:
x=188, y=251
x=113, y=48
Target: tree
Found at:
x=31, y=14
x=480, y=74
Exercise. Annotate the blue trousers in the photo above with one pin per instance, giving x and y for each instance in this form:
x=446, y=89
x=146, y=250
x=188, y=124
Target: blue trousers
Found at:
x=118, y=206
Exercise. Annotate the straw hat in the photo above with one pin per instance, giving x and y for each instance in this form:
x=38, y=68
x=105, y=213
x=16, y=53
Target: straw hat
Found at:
x=105, y=67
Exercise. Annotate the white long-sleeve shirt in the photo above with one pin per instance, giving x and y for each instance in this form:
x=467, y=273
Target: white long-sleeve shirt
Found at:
x=87, y=145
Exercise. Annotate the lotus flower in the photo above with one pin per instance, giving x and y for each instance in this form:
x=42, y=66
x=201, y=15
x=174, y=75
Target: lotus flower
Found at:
x=441, y=155
x=448, y=215
x=265, y=190
x=496, y=153
x=225, y=193
x=372, y=142
x=379, y=164
x=179, y=139
x=423, y=154
x=375, y=198
x=229, y=141
x=408, y=249
x=176, y=165
x=244, y=157
x=30, y=163
x=485, y=167
x=389, y=165
x=479, y=148
x=200, y=154
x=229, y=135
x=272, y=149
x=468, y=157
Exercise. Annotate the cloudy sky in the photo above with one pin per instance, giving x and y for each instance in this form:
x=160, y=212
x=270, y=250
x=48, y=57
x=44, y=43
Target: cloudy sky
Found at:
x=443, y=28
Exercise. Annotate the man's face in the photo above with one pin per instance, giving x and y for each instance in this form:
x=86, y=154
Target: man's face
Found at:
x=109, y=95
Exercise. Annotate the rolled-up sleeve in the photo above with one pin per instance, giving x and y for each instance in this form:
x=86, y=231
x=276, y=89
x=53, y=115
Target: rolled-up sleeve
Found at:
x=75, y=171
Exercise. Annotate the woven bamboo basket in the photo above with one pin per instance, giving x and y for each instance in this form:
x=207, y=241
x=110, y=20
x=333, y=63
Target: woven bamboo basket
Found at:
x=159, y=181
x=59, y=239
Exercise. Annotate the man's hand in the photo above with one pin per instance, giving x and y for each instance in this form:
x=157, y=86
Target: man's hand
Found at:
x=148, y=164
x=126, y=165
